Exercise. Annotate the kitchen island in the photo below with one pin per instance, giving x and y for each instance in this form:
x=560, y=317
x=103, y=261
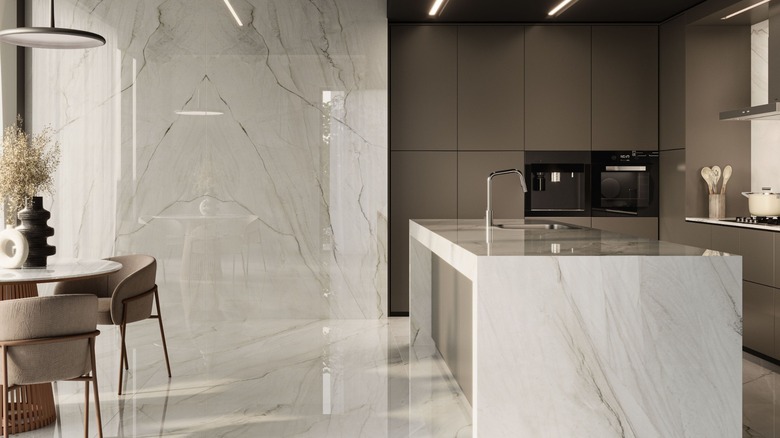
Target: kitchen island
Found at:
x=580, y=332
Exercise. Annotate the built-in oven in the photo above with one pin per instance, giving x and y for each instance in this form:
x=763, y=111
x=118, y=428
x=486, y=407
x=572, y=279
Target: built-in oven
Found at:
x=625, y=183
x=558, y=183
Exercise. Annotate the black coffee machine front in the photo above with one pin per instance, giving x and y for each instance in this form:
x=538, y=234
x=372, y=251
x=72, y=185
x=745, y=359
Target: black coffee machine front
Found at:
x=558, y=183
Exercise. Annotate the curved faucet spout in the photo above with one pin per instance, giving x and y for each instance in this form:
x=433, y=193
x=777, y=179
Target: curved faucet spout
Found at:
x=489, y=211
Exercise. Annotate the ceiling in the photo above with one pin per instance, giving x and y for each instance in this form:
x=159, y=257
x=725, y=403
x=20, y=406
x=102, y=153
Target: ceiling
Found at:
x=535, y=11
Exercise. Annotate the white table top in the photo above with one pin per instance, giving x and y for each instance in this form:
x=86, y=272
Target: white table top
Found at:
x=59, y=270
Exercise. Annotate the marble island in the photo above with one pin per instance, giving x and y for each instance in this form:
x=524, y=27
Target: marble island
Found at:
x=580, y=332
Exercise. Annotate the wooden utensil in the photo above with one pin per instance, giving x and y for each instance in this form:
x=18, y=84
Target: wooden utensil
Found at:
x=715, y=178
x=706, y=173
x=726, y=176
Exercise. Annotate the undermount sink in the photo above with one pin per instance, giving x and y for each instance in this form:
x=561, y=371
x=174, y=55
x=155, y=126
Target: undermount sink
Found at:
x=536, y=226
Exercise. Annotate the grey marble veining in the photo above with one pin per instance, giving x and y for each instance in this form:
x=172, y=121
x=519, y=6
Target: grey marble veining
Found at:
x=592, y=334
x=300, y=143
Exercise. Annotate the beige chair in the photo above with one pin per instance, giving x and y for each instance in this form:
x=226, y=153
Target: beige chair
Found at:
x=46, y=339
x=124, y=296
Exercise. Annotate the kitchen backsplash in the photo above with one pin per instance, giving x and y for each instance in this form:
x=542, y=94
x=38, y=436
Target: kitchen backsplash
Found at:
x=765, y=136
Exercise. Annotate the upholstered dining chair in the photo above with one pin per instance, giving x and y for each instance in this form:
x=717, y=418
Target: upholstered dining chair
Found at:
x=46, y=339
x=124, y=296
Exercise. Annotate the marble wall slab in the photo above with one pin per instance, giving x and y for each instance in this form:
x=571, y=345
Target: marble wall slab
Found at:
x=292, y=174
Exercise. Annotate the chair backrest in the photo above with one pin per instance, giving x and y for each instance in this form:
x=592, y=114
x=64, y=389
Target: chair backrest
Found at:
x=138, y=275
x=47, y=317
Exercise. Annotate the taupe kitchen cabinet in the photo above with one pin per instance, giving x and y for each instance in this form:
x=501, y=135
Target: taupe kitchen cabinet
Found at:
x=757, y=250
x=625, y=87
x=490, y=88
x=508, y=196
x=424, y=91
x=646, y=227
x=424, y=186
x=758, y=316
x=671, y=84
x=557, y=88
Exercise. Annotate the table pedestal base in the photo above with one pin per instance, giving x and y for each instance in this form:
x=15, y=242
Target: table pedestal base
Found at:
x=30, y=407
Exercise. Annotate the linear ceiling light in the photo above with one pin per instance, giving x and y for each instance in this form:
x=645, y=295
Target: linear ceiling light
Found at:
x=233, y=11
x=745, y=10
x=437, y=7
x=562, y=6
x=51, y=37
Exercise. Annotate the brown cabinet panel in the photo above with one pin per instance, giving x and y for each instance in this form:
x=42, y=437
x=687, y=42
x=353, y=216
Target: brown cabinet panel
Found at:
x=646, y=227
x=757, y=250
x=758, y=310
x=726, y=239
x=557, y=88
x=423, y=90
x=671, y=84
x=473, y=170
x=490, y=88
x=625, y=88
x=423, y=186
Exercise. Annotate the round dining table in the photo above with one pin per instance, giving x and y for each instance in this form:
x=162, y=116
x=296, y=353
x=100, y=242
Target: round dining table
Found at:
x=32, y=406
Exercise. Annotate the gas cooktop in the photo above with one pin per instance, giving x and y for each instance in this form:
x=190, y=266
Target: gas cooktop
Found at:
x=758, y=220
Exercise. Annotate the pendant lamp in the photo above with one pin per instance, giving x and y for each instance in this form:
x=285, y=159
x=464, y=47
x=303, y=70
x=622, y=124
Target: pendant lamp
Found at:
x=198, y=110
x=51, y=37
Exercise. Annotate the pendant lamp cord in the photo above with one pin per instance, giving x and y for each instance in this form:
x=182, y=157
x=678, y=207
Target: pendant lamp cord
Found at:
x=52, y=13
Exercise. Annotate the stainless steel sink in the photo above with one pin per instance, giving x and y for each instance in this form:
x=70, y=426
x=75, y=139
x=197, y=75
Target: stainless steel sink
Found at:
x=536, y=226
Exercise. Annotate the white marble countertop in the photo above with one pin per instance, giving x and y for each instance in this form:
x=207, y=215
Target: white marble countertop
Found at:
x=470, y=235
x=725, y=222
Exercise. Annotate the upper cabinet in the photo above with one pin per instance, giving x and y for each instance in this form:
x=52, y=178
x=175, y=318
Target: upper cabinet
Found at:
x=625, y=87
x=424, y=91
x=558, y=88
x=490, y=88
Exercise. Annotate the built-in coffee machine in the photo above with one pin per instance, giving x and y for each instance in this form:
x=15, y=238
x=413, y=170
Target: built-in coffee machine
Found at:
x=558, y=183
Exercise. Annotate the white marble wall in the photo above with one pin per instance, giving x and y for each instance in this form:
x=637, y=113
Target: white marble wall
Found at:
x=301, y=145
x=765, y=135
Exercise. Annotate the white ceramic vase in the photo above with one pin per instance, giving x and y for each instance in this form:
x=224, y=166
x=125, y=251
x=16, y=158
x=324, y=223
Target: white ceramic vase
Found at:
x=13, y=248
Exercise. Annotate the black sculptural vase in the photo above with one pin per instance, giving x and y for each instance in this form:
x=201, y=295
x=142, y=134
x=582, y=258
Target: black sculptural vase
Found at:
x=33, y=227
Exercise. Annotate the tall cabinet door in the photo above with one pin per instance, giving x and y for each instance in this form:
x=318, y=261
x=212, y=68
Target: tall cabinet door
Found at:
x=490, y=88
x=557, y=88
x=423, y=91
x=625, y=88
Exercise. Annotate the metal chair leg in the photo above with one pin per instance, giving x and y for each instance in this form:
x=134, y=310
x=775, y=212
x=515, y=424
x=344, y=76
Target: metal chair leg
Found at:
x=162, y=331
x=95, y=388
x=86, y=409
x=5, y=422
x=122, y=356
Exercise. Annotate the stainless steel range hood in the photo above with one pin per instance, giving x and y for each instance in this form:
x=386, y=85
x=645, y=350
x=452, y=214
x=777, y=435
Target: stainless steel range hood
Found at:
x=769, y=111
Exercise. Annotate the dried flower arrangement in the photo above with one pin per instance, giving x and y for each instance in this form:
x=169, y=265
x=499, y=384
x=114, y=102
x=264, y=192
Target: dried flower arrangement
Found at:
x=27, y=165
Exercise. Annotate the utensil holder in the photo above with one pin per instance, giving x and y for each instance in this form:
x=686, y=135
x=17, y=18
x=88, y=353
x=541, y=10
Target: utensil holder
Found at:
x=717, y=206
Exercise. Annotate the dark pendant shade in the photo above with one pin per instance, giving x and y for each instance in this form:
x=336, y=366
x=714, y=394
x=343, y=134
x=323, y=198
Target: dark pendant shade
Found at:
x=51, y=37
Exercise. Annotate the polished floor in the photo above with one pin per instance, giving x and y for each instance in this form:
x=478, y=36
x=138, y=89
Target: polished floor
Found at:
x=760, y=396
x=239, y=376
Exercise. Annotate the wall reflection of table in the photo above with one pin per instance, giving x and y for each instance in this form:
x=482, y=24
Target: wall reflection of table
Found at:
x=32, y=406
x=203, y=237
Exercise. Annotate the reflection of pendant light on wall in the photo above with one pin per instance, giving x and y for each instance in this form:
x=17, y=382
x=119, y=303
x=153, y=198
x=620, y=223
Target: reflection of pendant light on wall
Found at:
x=198, y=111
x=51, y=37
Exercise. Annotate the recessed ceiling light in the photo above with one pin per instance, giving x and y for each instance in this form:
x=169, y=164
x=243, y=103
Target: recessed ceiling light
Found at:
x=562, y=6
x=233, y=11
x=437, y=7
x=745, y=9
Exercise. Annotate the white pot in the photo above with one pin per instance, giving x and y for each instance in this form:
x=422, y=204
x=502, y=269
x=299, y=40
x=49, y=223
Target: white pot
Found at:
x=763, y=203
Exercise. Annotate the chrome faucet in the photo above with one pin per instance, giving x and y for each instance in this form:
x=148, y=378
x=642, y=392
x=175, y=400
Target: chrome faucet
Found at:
x=489, y=212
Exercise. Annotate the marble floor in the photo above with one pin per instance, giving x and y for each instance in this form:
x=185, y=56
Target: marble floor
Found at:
x=760, y=396
x=235, y=375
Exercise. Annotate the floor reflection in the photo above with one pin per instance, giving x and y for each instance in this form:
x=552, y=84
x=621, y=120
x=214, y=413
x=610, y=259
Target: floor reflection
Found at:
x=268, y=378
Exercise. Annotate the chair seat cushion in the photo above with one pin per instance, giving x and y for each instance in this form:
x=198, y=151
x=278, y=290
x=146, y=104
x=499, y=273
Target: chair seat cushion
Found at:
x=104, y=311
